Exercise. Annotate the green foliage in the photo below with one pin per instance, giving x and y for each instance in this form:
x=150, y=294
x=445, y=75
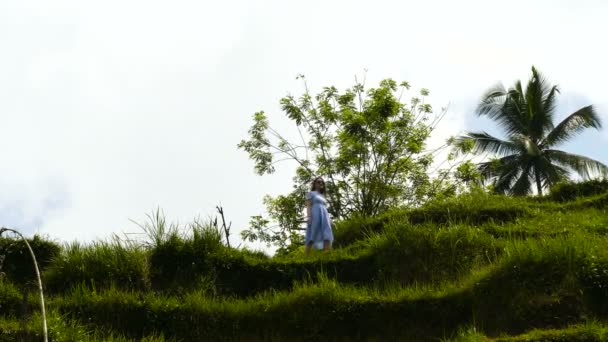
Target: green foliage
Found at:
x=549, y=223
x=467, y=173
x=100, y=264
x=534, y=283
x=587, y=332
x=590, y=331
x=472, y=208
x=10, y=298
x=469, y=334
x=186, y=262
x=433, y=255
x=569, y=191
x=528, y=154
x=368, y=144
x=62, y=329
x=454, y=269
x=156, y=229
x=358, y=228
x=17, y=264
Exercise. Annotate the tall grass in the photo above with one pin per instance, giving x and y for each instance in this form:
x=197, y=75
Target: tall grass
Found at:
x=452, y=270
x=156, y=229
x=62, y=329
x=535, y=283
x=100, y=264
x=10, y=298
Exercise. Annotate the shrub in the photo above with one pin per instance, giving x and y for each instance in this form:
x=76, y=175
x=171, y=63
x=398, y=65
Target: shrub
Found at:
x=183, y=263
x=471, y=208
x=357, y=228
x=100, y=265
x=569, y=191
x=10, y=298
x=422, y=253
x=598, y=202
x=18, y=266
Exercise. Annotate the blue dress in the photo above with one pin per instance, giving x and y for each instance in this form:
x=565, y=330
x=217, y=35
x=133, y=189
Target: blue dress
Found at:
x=319, y=229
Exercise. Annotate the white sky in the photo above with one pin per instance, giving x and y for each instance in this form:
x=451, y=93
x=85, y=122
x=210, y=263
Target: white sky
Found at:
x=109, y=109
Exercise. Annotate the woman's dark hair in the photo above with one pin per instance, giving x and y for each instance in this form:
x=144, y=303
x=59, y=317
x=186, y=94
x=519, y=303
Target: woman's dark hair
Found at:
x=312, y=188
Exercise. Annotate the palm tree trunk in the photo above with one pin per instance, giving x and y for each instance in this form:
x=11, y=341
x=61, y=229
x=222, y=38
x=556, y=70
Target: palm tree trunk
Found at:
x=538, y=185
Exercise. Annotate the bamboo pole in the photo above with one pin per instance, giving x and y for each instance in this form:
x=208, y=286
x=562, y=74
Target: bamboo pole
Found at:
x=44, y=328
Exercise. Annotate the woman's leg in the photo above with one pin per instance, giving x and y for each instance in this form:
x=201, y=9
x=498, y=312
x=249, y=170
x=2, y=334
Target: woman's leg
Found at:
x=326, y=245
x=308, y=248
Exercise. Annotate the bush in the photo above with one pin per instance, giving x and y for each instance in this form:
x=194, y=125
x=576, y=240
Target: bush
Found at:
x=355, y=229
x=99, y=265
x=427, y=254
x=569, y=191
x=598, y=202
x=471, y=208
x=18, y=265
x=180, y=263
x=10, y=298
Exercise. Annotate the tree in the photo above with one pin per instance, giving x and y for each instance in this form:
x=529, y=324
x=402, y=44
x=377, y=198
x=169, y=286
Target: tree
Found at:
x=367, y=144
x=528, y=156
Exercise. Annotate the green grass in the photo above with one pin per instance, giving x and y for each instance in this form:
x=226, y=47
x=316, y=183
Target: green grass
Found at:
x=62, y=329
x=586, y=332
x=591, y=331
x=536, y=283
x=474, y=268
x=100, y=264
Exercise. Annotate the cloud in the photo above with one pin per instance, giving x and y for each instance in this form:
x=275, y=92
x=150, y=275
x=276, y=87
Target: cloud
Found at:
x=26, y=206
x=120, y=107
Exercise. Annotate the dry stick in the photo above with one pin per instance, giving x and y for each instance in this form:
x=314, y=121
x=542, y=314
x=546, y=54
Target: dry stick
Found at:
x=44, y=330
x=226, y=229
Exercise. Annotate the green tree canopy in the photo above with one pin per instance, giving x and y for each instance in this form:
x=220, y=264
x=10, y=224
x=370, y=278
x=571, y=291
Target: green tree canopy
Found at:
x=528, y=155
x=367, y=144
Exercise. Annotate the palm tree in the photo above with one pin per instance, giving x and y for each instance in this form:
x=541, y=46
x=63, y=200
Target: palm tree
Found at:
x=528, y=154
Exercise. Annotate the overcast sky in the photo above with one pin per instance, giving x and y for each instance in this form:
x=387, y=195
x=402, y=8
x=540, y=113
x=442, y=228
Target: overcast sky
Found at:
x=110, y=109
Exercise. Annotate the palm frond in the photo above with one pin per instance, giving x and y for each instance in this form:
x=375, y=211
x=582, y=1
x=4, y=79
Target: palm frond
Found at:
x=495, y=167
x=584, y=166
x=503, y=182
x=492, y=101
x=485, y=143
x=523, y=184
x=575, y=123
x=501, y=171
x=558, y=174
x=549, y=173
x=537, y=91
x=550, y=103
x=499, y=105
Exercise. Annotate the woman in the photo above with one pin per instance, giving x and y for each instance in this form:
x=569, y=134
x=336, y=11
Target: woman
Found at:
x=318, y=229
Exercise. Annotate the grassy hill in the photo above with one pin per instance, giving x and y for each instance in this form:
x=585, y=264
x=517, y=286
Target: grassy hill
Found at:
x=474, y=268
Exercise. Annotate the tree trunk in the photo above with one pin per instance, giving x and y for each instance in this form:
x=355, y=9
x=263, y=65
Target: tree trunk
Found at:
x=538, y=185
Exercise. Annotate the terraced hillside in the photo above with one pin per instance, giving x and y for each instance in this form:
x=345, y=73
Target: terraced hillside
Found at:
x=474, y=268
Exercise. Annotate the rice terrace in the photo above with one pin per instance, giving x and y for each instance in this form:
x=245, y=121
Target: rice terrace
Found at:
x=474, y=268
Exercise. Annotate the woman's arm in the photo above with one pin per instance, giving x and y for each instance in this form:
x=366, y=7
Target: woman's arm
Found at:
x=308, y=211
